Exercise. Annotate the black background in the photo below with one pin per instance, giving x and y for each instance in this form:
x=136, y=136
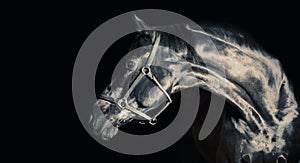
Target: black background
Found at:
x=44, y=38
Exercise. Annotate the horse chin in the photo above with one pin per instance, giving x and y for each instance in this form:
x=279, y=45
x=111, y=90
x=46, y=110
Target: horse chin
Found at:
x=106, y=126
x=101, y=125
x=108, y=131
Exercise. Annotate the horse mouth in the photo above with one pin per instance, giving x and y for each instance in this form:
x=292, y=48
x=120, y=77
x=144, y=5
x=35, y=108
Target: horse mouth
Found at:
x=101, y=127
x=107, y=117
x=108, y=131
x=106, y=120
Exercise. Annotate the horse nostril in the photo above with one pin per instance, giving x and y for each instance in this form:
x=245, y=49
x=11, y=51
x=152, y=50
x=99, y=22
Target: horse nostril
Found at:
x=108, y=89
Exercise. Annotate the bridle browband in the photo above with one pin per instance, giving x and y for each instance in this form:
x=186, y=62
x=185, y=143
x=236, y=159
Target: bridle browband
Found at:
x=145, y=71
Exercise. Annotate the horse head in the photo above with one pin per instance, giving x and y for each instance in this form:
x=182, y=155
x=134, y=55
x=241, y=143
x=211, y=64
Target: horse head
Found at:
x=142, y=81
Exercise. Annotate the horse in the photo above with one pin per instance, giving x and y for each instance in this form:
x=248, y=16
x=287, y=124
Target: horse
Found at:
x=257, y=121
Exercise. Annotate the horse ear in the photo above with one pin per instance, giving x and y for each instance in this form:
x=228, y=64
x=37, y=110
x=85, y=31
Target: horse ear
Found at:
x=141, y=25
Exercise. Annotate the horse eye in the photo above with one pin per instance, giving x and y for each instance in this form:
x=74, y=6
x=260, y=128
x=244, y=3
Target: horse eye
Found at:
x=130, y=65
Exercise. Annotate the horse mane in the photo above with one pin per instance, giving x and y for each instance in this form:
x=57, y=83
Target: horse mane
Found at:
x=232, y=37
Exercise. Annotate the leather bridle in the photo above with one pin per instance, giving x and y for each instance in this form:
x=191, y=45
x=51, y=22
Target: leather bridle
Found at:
x=122, y=103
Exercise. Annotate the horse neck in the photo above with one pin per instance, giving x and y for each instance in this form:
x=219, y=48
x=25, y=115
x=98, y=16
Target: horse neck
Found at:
x=195, y=72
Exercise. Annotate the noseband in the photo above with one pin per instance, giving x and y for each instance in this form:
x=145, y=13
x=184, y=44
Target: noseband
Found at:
x=122, y=103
